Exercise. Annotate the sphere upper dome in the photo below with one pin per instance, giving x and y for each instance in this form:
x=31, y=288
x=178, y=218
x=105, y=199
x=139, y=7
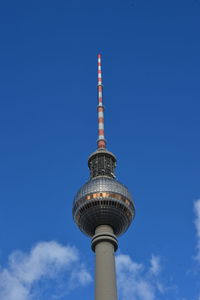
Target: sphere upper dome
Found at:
x=103, y=201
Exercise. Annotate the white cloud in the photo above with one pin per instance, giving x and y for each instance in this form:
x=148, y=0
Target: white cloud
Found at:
x=197, y=225
x=46, y=261
x=155, y=265
x=136, y=282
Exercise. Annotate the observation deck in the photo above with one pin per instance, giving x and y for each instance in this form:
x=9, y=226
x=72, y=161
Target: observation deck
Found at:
x=103, y=200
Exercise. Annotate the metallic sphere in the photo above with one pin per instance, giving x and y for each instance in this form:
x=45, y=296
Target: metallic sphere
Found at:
x=103, y=201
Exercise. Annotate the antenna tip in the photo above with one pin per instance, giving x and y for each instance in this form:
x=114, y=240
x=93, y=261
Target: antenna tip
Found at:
x=99, y=55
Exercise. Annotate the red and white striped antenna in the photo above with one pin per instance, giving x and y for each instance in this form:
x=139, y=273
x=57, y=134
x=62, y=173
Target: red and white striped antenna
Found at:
x=101, y=142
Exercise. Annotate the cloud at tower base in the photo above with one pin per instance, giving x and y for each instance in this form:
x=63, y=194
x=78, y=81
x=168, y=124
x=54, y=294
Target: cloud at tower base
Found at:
x=135, y=281
x=49, y=268
x=197, y=225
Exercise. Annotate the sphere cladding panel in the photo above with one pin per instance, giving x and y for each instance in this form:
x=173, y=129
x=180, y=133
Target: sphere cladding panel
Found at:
x=102, y=184
x=109, y=210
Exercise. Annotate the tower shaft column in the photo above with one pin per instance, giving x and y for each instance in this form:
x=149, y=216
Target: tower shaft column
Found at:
x=104, y=243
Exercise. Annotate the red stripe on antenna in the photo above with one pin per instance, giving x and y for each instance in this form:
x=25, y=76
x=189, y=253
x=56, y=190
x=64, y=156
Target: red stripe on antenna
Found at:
x=101, y=143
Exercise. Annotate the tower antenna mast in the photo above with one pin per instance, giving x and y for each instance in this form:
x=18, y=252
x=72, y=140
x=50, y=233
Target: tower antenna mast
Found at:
x=101, y=142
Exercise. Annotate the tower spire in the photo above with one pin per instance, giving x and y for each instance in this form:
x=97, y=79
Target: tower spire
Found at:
x=101, y=142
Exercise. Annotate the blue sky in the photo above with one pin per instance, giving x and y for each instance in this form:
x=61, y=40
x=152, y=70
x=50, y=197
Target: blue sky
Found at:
x=48, y=127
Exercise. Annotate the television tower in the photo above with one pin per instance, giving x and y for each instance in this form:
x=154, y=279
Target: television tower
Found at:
x=103, y=208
